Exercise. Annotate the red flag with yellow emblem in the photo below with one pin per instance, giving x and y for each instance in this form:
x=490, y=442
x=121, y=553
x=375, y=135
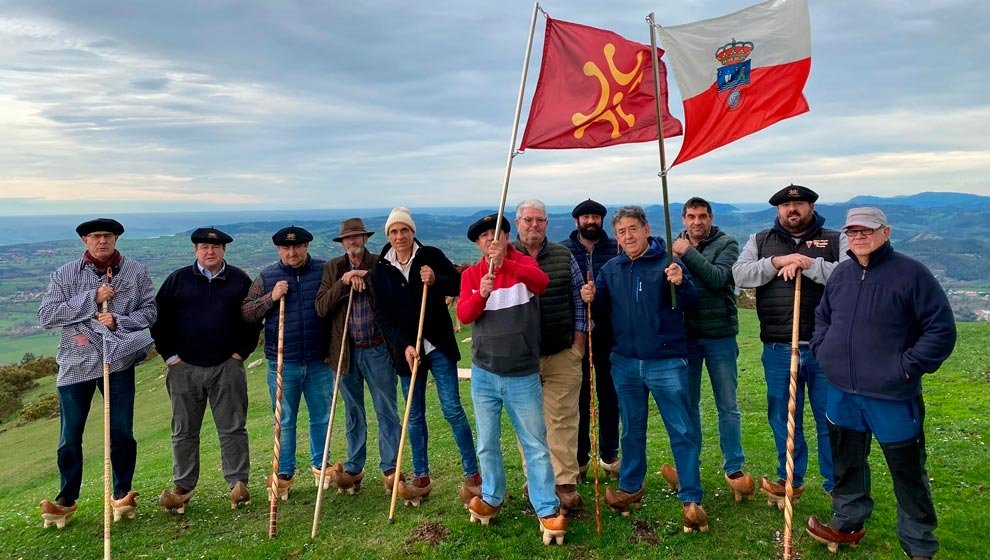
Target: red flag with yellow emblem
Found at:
x=595, y=89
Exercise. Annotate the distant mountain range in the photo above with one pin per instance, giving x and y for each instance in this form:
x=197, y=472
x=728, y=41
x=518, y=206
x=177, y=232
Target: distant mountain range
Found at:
x=949, y=232
x=903, y=211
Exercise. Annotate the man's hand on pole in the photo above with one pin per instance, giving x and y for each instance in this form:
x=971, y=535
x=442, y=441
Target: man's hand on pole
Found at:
x=411, y=356
x=281, y=288
x=588, y=292
x=354, y=279
x=427, y=276
x=487, y=285
x=674, y=274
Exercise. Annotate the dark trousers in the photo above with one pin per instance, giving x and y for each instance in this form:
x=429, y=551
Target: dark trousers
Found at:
x=224, y=388
x=852, y=503
x=607, y=402
x=74, y=402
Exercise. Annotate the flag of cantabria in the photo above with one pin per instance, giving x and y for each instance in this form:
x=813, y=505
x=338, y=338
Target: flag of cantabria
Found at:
x=595, y=89
x=739, y=73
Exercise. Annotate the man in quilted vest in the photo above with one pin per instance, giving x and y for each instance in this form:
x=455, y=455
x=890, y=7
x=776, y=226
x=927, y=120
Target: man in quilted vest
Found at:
x=296, y=277
x=563, y=336
x=796, y=244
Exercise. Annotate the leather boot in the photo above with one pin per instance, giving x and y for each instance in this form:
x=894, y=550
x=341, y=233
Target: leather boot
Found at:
x=125, y=507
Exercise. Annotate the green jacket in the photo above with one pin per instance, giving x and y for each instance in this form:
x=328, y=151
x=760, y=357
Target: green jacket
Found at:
x=710, y=264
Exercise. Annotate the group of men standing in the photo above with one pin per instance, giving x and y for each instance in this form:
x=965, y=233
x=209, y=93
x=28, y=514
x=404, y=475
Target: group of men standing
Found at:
x=650, y=319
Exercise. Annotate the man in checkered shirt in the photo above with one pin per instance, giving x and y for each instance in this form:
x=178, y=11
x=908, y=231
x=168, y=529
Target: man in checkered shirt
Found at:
x=90, y=338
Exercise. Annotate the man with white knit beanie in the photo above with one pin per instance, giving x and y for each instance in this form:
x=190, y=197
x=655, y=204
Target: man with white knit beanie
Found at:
x=404, y=270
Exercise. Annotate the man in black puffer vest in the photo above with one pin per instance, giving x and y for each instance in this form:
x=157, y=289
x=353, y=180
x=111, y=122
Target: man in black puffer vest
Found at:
x=563, y=336
x=796, y=244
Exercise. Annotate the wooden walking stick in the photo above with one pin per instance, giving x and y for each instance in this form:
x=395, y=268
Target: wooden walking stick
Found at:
x=273, y=491
x=791, y=406
x=107, y=490
x=333, y=408
x=405, y=418
x=594, y=423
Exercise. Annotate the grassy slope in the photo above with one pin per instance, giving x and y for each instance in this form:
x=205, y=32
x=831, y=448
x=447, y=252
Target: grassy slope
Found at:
x=356, y=527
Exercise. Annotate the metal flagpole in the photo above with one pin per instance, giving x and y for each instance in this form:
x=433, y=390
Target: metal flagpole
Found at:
x=515, y=131
x=663, y=154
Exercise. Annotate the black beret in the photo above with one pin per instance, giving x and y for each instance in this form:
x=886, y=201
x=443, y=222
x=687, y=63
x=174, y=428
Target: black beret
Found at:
x=793, y=193
x=99, y=224
x=291, y=235
x=210, y=235
x=589, y=207
x=485, y=224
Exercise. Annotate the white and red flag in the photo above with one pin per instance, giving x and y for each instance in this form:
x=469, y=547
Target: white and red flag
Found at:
x=739, y=73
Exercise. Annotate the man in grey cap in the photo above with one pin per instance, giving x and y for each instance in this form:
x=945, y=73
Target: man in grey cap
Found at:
x=92, y=337
x=771, y=259
x=203, y=339
x=295, y=277
x=883, y=322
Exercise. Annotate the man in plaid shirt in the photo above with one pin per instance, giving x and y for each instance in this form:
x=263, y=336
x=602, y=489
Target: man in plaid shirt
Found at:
x=90, y=338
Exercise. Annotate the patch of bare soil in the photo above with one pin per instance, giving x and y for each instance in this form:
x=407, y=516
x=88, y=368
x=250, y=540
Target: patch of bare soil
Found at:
x=645, y=532
x=429, y=533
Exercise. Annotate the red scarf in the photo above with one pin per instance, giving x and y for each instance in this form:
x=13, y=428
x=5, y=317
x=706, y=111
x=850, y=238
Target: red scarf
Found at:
x=102, y=266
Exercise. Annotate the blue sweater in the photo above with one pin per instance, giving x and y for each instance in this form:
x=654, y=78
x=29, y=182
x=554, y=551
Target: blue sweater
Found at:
x=635, y=296
x=879, y=328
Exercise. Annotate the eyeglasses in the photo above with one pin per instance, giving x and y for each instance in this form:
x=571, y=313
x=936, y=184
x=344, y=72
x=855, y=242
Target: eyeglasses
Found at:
x=531, y=221
x=865, y=232
x=99, y=236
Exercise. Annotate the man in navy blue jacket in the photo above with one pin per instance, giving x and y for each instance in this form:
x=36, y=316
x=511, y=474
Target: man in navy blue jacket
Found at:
x=649, y=356
x=883, y=322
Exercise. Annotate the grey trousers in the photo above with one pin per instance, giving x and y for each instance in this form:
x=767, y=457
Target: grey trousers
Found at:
x=224, y=387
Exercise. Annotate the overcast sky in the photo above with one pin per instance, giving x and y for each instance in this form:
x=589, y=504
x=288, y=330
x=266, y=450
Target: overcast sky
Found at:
x=194, y=105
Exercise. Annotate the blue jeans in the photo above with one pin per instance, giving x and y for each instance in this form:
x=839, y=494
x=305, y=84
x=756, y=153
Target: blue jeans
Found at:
x=73, y=404
x=374, y=366
x=313, y=381
x=777, y=369
x=635, y=380
x=448, y=390
x=522, y=398
x=719, y=355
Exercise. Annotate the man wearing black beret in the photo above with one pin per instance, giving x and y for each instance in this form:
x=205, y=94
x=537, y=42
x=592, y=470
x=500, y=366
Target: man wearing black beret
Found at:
x=92, y=337
x=796, y=244
x=592, y=248
x=203, y=339
x=296, y=276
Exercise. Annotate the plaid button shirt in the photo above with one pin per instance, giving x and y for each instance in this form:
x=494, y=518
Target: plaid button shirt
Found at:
x=70, y=303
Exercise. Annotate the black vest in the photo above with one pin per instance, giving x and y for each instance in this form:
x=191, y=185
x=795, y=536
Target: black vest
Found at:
x=775, y=299
x=556, y=303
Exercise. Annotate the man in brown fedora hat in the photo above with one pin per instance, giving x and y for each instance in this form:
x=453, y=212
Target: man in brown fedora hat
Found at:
x=365, y=356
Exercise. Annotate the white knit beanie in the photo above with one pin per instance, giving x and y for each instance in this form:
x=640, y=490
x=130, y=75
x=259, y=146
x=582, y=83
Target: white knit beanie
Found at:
x=400, y=215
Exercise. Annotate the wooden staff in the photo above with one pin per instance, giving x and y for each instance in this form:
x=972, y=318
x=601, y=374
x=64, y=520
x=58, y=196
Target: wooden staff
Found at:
x=107, y=490
x=791, y=406
x=405, y=418
x=333, y=408
x=594, y=423
x=273, y=494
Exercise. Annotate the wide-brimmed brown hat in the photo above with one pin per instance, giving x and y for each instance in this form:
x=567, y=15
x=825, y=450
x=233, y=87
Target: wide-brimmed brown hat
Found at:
x=352, y=226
